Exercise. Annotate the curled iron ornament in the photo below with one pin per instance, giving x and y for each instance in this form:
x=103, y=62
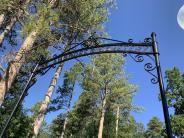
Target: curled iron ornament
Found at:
x=124, y=54
x=130, y=40
x=147, y=40
x=137, y=58
x=149, y=68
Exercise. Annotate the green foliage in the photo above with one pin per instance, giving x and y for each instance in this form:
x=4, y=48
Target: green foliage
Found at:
x=69, y=18
x=7, y=4
x=64, y=93
x=107, y=70
x=155, y=129
x=57, y=126
x=39, y=50
x=20, y=124
x=82, y=18
x=178, y=125
x=83, y=120
x=109, y=125
x=129, y=128
x=175, y=90
x=35, y=109
x=73, y=74
x=45, y=131
x=175, y=96
x=40, y=21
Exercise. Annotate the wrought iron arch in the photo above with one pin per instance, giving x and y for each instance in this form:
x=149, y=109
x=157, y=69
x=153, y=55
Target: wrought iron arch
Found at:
x=97, y=45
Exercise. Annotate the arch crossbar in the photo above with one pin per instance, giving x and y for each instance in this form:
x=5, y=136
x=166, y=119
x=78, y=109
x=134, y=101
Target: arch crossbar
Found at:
x=144, y=48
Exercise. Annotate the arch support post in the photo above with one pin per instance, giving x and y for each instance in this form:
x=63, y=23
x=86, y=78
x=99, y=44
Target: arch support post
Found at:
x=21, y=98
x=161, y=86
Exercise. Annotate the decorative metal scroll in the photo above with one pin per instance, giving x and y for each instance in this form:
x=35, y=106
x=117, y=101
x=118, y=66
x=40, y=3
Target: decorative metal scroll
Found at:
x=149, y=67
x=91, y=46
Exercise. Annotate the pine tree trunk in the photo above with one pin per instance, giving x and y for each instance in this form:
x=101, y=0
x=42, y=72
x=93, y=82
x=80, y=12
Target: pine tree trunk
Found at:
x=7, y=29
x=38, y=121
x=66, y=119
x=100, y=130
x=12, y=22
x=14, y=67
x=1, y=19
x=117, y=121
x=65, y=123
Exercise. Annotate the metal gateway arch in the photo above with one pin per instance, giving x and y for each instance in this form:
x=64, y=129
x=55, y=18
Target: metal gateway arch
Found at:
x=96, y=45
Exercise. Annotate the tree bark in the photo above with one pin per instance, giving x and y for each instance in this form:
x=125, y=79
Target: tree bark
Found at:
x=100, y=130
x=66, y=119
x=1, y=19
x=38, y=121
x=14, y=67
x=7, y=29
x=12, y=22
x=117, y=121
x=65, y=123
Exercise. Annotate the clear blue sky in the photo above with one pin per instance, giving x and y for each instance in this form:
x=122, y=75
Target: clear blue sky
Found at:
x=137, y=19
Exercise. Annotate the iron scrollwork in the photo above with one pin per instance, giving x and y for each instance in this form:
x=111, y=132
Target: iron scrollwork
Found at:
x=91, y=46
x=148, y=67
x=137, y=58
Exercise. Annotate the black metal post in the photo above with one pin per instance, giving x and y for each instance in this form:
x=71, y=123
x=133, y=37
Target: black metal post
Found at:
x=161, y=85
x=19, y=100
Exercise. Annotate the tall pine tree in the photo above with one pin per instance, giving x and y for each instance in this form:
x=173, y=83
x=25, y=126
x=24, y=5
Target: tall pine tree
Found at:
x=175, y=96
x=80, y=18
